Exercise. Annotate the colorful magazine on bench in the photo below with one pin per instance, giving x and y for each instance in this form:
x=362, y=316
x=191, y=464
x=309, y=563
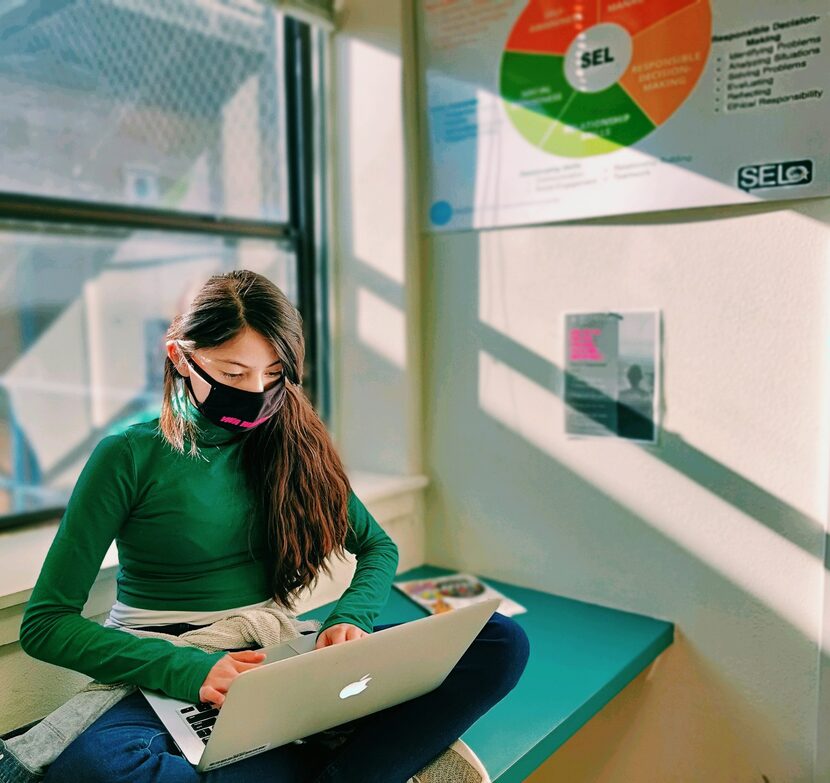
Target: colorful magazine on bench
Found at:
x=452, y=591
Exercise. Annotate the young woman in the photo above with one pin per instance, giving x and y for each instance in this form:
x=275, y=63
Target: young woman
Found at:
x=234, y=497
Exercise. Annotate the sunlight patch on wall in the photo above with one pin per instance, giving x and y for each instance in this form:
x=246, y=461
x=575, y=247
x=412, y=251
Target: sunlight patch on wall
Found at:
x=375, y=165
x=382, y=327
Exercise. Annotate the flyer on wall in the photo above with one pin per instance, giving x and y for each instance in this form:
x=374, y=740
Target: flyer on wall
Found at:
x=548, y=110
x=612, y=375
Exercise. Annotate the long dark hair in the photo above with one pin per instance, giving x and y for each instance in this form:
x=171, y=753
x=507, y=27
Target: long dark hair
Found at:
x=289, y=460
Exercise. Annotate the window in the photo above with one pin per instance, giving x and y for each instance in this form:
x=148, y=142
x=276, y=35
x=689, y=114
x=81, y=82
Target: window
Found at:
x=143, y=147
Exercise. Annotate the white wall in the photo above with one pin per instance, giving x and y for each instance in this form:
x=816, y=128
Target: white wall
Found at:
x=720, y=529
x=377, y=328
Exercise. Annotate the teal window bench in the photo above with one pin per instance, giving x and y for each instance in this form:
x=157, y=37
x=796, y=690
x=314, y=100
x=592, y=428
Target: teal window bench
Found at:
x=581, y=656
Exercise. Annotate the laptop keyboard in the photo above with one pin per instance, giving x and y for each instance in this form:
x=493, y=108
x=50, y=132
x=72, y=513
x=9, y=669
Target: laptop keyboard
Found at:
x=200, y=718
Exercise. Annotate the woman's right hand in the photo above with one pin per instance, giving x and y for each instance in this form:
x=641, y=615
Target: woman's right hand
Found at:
x=225, y=671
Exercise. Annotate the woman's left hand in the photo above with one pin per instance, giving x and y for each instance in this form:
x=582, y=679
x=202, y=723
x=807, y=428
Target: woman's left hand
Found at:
x=335, y=634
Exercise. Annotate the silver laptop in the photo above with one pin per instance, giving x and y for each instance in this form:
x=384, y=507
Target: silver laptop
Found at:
x=292, y=695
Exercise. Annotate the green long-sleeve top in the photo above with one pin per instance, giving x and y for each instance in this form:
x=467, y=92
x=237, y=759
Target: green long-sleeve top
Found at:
x=181, y=527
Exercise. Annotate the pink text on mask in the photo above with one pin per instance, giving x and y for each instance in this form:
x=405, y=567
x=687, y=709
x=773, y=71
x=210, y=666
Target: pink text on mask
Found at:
x=240, y=423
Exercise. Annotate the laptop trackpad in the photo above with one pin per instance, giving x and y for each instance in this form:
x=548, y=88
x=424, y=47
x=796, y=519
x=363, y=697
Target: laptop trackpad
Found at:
x=304, y=644
x=289, y=649
x=278, y=652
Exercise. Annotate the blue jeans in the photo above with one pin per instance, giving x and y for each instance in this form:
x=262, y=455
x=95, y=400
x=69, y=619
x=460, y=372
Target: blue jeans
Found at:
x=129, y=744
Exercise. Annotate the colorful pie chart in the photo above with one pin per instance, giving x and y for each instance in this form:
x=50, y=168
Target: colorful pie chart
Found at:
x=587, y=78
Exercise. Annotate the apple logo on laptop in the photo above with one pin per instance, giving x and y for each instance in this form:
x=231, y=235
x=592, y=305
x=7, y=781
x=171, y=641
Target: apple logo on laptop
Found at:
x=352, y=689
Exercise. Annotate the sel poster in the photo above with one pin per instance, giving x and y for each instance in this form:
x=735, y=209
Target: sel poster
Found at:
x=553, y=110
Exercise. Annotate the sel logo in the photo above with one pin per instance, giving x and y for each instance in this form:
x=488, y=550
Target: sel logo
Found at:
x=352, y=689
x=775, y=175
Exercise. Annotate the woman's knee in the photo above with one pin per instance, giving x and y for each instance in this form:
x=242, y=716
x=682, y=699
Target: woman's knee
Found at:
x=513, y=645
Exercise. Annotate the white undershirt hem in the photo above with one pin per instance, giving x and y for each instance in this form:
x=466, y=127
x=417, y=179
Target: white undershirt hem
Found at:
x=122, y=615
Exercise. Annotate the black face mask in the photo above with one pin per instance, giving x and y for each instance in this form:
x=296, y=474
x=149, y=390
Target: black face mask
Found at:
x=235, y=409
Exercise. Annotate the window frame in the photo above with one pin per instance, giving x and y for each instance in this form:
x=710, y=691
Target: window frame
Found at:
x=305, y=68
